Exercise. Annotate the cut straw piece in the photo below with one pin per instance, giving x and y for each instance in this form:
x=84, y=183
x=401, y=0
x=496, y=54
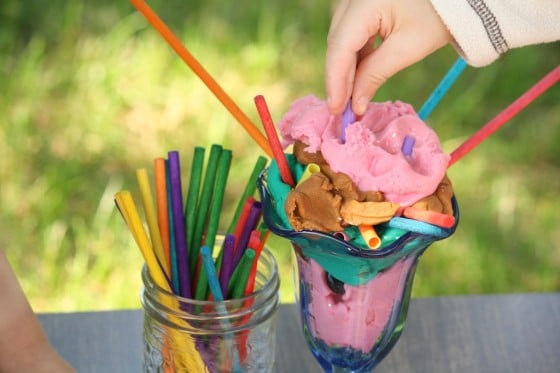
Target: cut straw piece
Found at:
x=442, y=88
x=348, y=117
x=277, y=151
x=249, y=191
x=370, y=236
x=214, y=218
x=310, y=169
x=161, y=205
x=197, y=168
x=151, y=217
x=204, y=204
x=509, y=112
x=178, y=224
x=199, y=70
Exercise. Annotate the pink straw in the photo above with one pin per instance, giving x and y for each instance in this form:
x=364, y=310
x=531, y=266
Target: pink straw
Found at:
x=523, y=101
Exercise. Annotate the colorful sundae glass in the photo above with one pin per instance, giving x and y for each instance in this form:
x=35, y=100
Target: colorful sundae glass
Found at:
x=353, y=301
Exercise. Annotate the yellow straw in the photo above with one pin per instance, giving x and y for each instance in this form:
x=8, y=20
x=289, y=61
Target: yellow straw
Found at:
x=310, y=169
x=129, y=212
x=151, y=218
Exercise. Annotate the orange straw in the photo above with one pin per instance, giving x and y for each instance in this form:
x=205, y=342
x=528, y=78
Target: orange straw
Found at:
x=161, y=202
x=502, y=118
x=199, y=70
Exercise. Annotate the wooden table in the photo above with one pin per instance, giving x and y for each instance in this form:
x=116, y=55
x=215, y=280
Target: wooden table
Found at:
x=492, y=333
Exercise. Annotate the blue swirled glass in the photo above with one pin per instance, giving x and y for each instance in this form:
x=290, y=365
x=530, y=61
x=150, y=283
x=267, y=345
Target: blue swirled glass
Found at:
x=353, y=301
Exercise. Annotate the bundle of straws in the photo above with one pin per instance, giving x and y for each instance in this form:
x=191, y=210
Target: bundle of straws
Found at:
x=182, y=232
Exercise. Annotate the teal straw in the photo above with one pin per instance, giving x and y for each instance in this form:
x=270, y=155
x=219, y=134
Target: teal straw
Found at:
x=214, y=285
x=442, y=88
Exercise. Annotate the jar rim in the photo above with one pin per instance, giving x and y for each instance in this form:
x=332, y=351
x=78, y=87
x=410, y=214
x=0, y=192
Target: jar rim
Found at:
x=273, y=277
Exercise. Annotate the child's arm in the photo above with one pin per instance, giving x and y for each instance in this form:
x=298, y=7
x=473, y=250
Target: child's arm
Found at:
x=23, y=344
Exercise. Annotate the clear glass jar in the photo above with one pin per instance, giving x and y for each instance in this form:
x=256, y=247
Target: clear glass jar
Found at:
x=186, y=335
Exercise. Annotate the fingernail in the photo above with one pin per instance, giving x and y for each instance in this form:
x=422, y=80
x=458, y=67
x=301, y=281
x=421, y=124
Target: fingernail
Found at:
x=361, y=105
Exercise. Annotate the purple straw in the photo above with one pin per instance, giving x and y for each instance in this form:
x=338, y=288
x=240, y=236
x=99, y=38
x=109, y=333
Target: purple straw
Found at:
x=227, y=261
x=348, y=117
x=178, y=222
x=250, y=224
x=408, y=145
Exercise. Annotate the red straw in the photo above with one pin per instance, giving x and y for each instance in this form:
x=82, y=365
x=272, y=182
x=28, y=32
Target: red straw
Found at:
x=523, y=101
x=270, y=130
x=201, y=72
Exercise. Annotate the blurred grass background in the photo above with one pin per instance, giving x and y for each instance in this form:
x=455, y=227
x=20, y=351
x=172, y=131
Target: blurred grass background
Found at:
x=90, y=92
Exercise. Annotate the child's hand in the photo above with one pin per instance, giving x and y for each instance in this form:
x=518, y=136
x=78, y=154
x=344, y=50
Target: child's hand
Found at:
x=410, y=30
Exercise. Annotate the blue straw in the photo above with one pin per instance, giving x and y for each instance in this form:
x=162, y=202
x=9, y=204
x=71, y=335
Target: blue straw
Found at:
x=211, y=274
x=215, y=289
x=442, y=88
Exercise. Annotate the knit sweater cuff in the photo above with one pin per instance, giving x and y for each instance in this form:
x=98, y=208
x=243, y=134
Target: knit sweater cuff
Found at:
x=485, y=29
x=469, y=32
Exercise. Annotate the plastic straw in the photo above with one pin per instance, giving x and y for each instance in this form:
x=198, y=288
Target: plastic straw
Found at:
x=197, y=167
x=370, y=236
x=251, y=223
x=310, y=169
x=238, y=280
x=199, y=70
x=151, y=217
x=348, y=117
x=272, y=136
x=214, y=219
x=255, y=244
x=204, y=204
x=127, y=207
x=172, y=245
x=442, y=88
x=408, y=145
x=227, y=261
x=249, y=191
x=178, y=224
x=210, y=270
x=502, y=118
x=161, y=202
x=241, y=222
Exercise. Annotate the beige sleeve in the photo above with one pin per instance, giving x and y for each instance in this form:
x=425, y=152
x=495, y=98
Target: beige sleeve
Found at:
x=485, y=29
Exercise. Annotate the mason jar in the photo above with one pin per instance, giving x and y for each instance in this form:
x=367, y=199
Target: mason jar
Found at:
x=187, y=335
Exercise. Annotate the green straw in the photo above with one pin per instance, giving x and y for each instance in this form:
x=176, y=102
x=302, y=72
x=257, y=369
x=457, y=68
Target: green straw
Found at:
x=214, y=218
x=204, y=204
x=238, y=280
x=192, y=197
x=249, y=190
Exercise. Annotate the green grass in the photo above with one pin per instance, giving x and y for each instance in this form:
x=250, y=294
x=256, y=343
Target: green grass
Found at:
x=90, y=93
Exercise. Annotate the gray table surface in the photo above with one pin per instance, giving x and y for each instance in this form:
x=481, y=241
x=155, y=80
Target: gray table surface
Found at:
x=490, y=333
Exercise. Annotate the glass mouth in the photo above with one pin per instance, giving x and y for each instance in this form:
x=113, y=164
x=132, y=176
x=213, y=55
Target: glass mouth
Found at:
x=344, y=260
